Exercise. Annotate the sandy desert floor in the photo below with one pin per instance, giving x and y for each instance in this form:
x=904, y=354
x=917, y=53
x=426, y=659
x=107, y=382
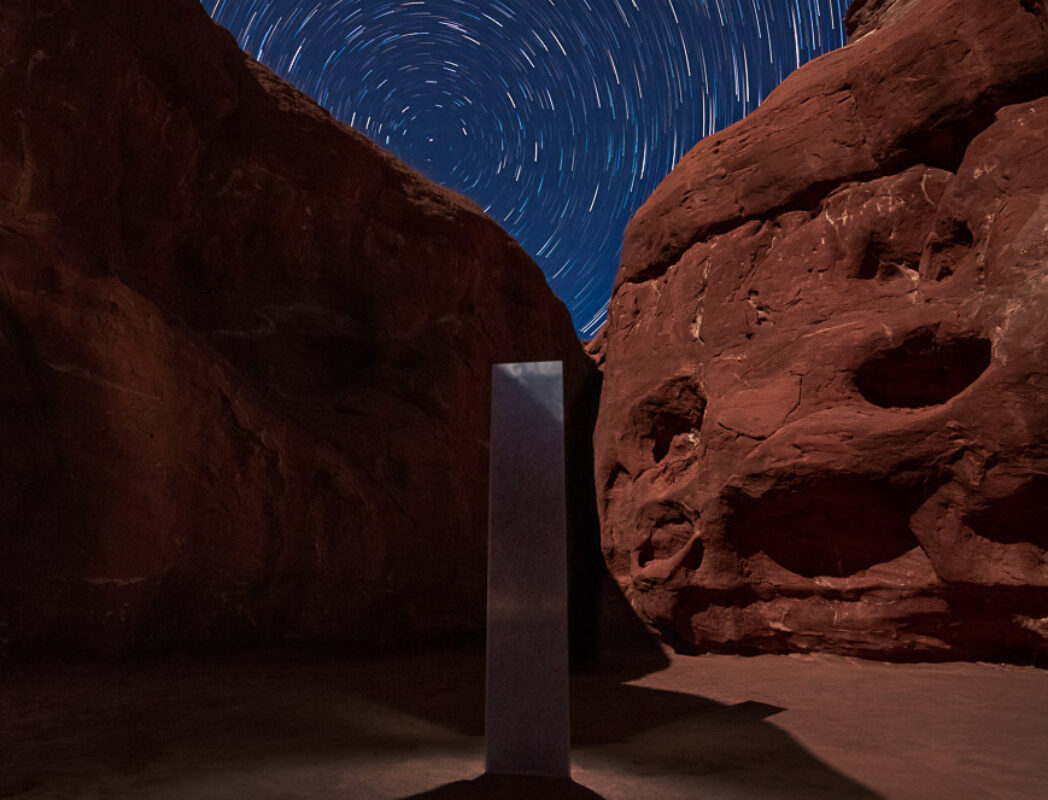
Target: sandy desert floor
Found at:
x=713, y=727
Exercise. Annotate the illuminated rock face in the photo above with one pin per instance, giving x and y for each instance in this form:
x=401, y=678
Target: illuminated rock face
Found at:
x=245, y=353
x=823, y=422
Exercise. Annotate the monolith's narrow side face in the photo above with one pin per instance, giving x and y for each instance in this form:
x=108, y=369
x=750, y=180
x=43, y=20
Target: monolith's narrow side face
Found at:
x=527, y=718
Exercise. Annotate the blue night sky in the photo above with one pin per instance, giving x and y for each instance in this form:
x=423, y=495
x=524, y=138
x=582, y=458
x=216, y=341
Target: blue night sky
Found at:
x=558, y=117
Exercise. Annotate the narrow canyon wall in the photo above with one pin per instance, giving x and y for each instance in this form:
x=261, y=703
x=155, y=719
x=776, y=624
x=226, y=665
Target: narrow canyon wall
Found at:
x=823, y=424
x=245, y=353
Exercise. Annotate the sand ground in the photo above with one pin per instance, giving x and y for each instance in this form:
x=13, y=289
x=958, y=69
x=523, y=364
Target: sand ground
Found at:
x=714, y=727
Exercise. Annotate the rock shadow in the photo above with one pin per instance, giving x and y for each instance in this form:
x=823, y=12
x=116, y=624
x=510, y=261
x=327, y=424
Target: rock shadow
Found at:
x=676, y=736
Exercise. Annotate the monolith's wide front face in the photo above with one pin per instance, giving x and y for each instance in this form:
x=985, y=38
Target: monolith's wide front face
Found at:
x=823, y=424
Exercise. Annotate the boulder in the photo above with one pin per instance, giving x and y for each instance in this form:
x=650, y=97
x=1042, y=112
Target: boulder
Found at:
x=823, y=424
x=245, y=352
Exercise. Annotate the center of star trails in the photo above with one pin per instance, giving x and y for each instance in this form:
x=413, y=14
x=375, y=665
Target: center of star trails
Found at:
x=558, y=117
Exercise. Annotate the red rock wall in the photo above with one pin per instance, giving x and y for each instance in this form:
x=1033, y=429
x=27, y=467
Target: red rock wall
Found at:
x=245, y=352
x=823, y=424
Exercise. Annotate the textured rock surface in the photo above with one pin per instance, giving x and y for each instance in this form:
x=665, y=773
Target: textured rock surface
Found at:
x=245, y=353
x=823, y=422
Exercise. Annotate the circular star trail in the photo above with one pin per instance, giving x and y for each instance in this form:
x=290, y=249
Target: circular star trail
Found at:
x=558, y=117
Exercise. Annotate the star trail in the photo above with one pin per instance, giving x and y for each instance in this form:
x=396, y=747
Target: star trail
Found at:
x=558, y=117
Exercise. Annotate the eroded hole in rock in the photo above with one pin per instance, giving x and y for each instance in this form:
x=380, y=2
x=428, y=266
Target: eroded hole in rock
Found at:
x=671, y=417
x=879, y=264
x=947, y=248
x=870, y=264
x=667, y=528
x=832, y=525
x=670, y=430
x=923, y=371
x=1020, y=517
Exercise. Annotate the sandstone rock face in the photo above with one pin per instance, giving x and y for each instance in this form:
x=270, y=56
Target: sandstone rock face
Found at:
x=823, y=423
x=245, y=353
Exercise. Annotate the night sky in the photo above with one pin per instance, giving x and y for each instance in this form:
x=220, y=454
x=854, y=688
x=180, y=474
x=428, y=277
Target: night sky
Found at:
x=558, y=117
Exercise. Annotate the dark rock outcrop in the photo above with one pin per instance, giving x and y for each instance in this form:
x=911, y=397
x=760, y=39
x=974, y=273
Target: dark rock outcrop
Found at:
x=823, y=423
x=245, y=353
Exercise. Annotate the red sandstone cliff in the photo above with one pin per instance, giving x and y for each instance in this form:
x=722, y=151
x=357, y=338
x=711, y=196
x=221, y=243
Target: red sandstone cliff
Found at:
x=823, y=424
x=245, y=353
